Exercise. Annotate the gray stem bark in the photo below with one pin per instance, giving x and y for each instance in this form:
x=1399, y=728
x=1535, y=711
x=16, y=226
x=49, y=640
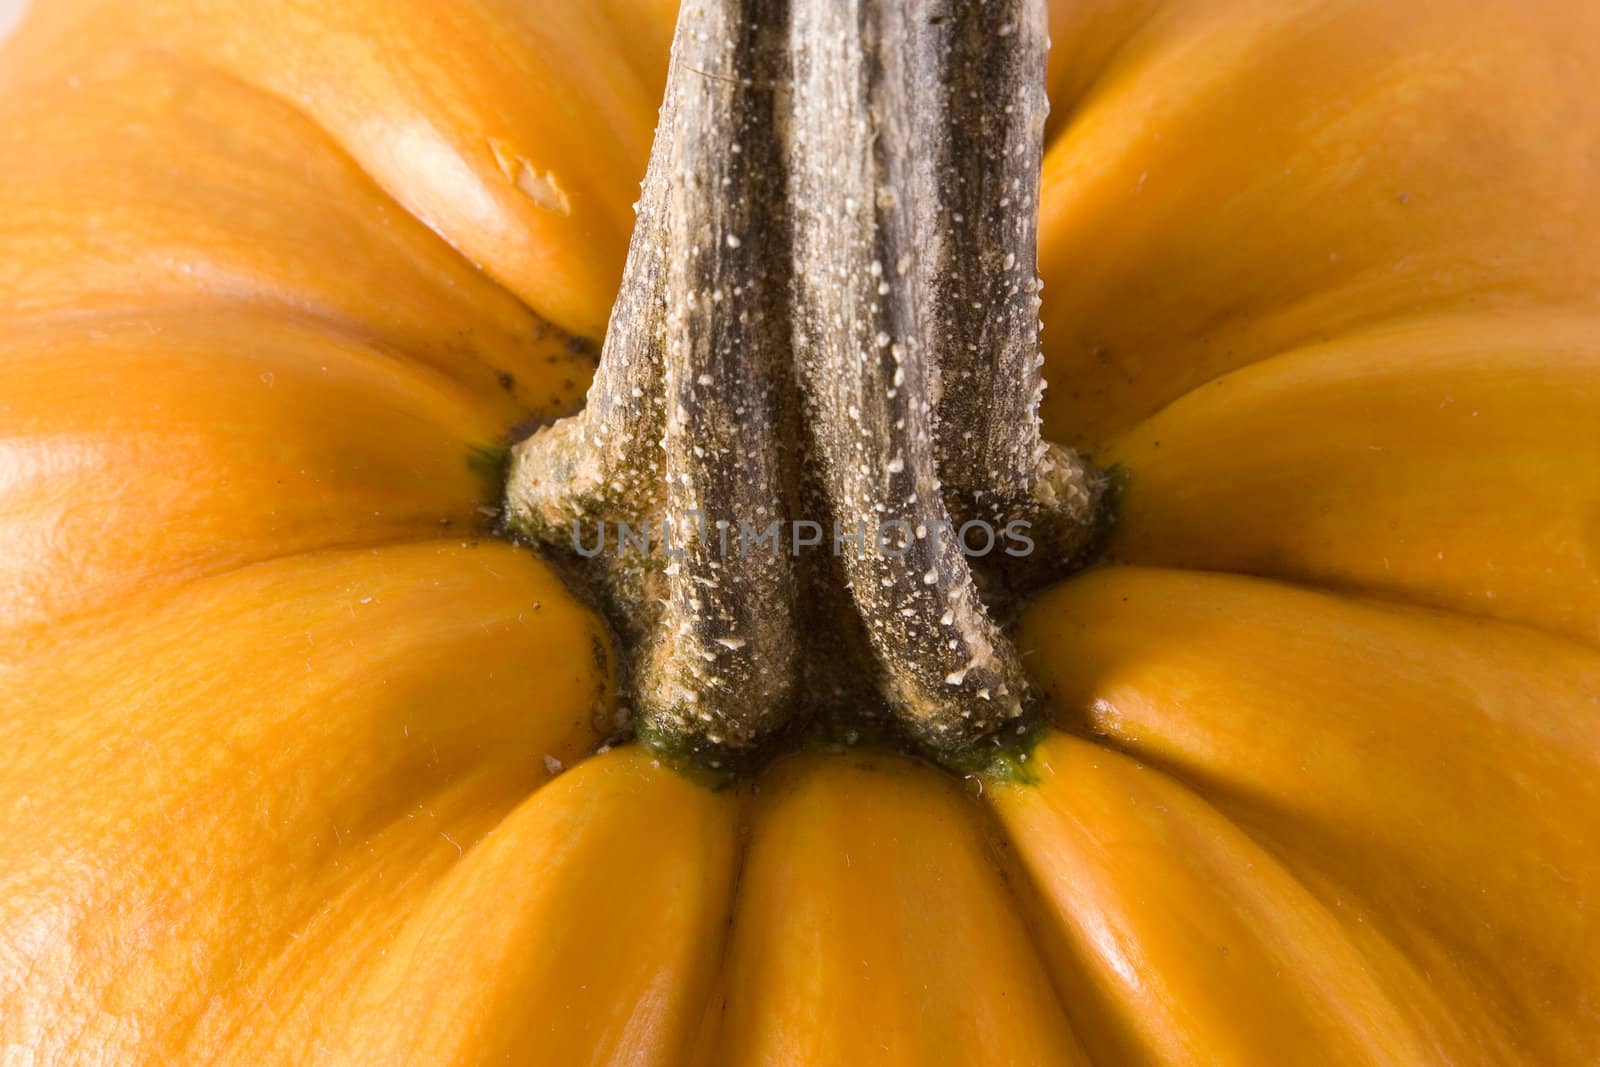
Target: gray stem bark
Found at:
x=870, y=250
x=831, y=296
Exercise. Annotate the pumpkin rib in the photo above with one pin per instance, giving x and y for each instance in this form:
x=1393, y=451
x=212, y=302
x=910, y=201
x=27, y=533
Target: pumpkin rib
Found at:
x=292, y=989
x=1020, y=887
x=629, y=842
x=449, y=628
x=436, y=103
x=1468, y=444
x=870, y=896
x=91, y=631
x=1421, y=715
x=1398, y=158
x=1408, y=978
x=232, y=448
x=1401, y=978
x=215, y=67
x=1349, y=1013
x=362, y=343
x=479, y=332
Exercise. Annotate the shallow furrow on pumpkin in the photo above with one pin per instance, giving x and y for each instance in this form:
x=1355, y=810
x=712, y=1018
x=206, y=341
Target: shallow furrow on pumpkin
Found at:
x=139, y=451
x=1433, y=780
x=1252, y=177
x=1452, y=462
x=870, y=898
x=325, y=736
x=583, y=929
x=137, y=182
x=1090, y=40
x=1163, y=922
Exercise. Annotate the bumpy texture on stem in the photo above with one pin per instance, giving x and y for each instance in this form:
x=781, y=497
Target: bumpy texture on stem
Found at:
x=831, y=297
x=721, y=667
x=867, y=347
x=976, y=107
x=683, y=417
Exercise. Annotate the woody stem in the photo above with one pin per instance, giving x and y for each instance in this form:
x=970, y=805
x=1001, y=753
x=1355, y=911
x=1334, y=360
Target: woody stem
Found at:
x=829, y=314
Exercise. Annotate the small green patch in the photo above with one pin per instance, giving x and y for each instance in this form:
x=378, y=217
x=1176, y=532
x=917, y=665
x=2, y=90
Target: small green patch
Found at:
x=491, y=463
x=704, y=764
x=1116, y=486
x=1006, y=757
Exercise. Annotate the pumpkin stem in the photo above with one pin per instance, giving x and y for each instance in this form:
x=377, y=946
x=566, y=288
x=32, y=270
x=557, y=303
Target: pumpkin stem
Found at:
x=828, y=322
x=682, y=423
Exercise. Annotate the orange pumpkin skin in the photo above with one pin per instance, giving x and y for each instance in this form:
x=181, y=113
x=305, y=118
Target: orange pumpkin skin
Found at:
x=299, y=766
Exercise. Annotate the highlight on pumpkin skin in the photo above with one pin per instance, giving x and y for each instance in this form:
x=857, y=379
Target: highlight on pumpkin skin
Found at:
x=1406, y=766
x=189, y=839
x=11, y=13
x=518, y=132
x=206, y=189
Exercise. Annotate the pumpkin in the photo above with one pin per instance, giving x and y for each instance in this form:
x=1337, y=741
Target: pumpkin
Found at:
x=303, y=762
